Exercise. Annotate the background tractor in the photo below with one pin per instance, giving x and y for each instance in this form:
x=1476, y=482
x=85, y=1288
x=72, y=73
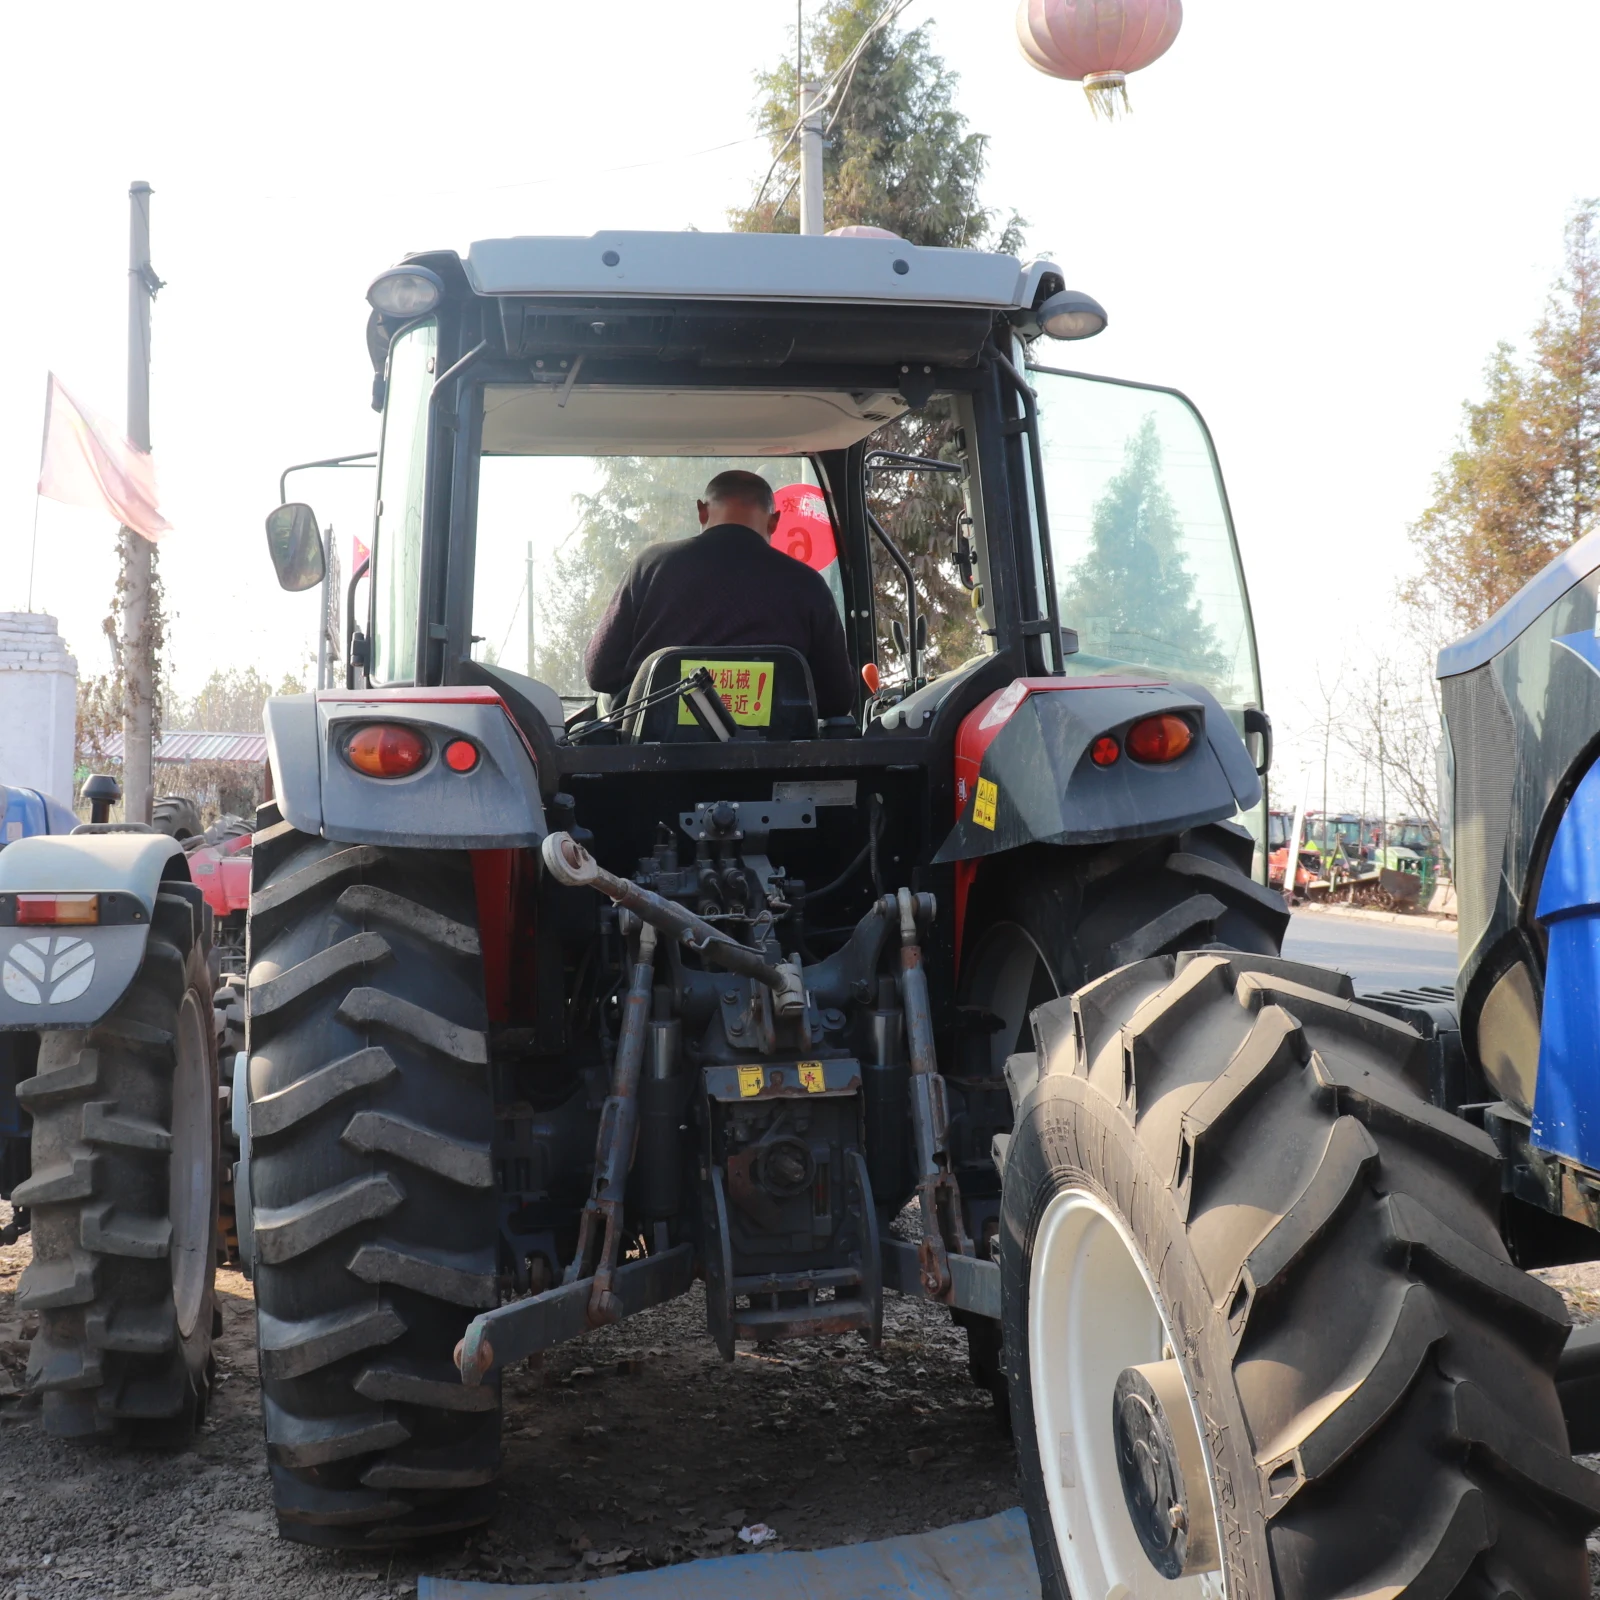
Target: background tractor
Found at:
x=555, y=1008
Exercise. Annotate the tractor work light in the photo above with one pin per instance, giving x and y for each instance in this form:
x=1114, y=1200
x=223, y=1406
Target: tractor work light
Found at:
x=385, y=750
x=52, y=910
x=1071, y=315
x=405, y=292
x=461, y=755
x=1159, y=739
x=1104, y=751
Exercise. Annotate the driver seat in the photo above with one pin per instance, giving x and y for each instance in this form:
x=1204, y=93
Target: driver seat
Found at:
x=767, y=688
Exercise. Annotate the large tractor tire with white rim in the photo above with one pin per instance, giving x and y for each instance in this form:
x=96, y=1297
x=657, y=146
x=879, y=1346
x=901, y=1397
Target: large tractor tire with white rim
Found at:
x=1045, y=920
x=1262, y=1335
x=371, y=1188
x=123, y=1197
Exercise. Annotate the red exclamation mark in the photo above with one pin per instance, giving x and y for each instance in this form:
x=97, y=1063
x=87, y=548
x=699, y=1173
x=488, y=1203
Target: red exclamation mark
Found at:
x=761, y=688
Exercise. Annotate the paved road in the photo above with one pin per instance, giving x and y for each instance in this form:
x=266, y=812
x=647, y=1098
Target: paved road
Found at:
x=1377, y=955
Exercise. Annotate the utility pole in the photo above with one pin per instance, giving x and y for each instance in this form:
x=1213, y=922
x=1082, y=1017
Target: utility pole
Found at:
x=532, y=674
x=138, y=554
x=811, y=158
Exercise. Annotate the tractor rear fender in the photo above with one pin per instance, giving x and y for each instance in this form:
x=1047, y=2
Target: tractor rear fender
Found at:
x=70, y=974
x=1025, y=773
x=494, y=805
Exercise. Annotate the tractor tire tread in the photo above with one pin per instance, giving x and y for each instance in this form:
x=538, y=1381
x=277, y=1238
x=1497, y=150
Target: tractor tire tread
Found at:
x=1422, y=1361
x=109, y=1353
x=375, y=1219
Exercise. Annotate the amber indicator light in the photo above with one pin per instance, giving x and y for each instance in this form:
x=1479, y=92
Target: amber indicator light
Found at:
x=461, y=755
x=382, y=750
x=1104, y=750
x=52, y=910
x=1159, y=739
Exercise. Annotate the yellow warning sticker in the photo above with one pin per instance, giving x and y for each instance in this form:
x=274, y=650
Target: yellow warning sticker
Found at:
x=984, y=803
x=812, y=1078
x=745, y=687
x=751, y=1081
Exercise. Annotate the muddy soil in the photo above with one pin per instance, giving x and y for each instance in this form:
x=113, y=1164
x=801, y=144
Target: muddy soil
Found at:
x=630, y=1448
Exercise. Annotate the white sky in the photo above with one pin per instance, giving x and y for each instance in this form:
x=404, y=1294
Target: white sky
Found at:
x=1317, y=223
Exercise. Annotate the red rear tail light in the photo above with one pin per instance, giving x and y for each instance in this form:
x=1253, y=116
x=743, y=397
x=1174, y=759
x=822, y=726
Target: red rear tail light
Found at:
x=383, y=750
x=1104, y=750
x=51, y=910
x=461, y=755
x=1158, y=739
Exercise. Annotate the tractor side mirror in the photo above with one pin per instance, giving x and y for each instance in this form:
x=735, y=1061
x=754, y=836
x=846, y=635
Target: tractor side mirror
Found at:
x=294, y=541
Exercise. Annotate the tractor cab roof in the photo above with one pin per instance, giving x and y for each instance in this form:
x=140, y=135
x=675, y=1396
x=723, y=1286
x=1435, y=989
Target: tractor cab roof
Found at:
x=728, y=300
x=753, y=267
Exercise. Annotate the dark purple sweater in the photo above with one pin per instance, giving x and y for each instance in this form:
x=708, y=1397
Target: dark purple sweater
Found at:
x=725, y=586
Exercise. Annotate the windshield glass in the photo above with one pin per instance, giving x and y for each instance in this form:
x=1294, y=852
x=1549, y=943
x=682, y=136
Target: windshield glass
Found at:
x=1145, y=565
x=557, y=533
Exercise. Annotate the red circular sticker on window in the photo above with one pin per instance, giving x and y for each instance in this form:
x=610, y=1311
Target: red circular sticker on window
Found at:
x=804, y=529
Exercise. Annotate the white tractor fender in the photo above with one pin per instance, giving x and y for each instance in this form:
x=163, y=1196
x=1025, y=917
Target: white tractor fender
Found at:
x=69, y=975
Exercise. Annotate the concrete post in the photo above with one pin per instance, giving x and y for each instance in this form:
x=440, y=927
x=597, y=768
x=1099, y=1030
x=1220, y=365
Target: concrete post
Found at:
x=810, y=160
x=138, y=554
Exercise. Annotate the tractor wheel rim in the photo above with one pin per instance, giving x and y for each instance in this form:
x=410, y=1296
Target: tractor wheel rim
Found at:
x=189, y=1169
x=1093, y=1312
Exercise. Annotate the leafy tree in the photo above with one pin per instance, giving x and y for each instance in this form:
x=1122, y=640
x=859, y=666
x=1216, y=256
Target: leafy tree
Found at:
x=1524, y=482
x=1132, y=594
x=231, y=701
x=899, y=155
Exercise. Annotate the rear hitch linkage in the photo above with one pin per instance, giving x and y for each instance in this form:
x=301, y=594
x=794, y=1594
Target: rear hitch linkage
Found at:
x=938, y=1195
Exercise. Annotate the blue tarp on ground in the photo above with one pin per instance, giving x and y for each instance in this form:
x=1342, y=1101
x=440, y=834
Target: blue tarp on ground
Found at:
x=987, y=1560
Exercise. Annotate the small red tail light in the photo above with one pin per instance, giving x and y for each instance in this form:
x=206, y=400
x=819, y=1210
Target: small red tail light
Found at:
x=1104, y=750
x=382, y=750
x=51, y=910
x=1162, y=738
x=461, y=755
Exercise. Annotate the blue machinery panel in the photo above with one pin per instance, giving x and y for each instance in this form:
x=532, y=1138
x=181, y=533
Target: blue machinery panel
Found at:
x=1566, y=1100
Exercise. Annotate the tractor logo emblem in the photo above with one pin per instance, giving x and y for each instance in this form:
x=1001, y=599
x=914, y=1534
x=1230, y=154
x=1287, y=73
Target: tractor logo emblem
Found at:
x=46, y=971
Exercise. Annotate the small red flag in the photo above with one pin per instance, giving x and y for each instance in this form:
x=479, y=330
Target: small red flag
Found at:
x=87, y=463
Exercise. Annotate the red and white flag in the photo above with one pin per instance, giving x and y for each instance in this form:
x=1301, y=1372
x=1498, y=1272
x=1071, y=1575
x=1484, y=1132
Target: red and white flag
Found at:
x=86, y=462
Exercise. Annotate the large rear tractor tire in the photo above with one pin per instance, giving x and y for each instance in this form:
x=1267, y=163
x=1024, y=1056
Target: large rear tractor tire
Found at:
x=177, y=816
x=1262, y=1335
x=123, y=1198
x=1045, y=921
x=371, y=1187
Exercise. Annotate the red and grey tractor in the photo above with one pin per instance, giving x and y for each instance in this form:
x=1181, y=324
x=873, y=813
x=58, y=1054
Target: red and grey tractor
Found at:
x=558, y=1005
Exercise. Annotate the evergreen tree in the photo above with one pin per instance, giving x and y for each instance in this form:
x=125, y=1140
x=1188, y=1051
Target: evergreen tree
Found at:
x=1132, y=594
x=1525, y=480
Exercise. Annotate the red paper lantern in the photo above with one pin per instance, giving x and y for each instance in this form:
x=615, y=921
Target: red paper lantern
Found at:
x=1097, y=42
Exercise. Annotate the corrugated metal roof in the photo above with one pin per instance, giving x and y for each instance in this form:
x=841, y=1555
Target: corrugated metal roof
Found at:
x=199, y=746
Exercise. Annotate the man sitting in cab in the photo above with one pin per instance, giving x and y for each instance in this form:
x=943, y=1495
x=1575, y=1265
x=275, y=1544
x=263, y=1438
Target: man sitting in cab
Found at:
x=728, y=587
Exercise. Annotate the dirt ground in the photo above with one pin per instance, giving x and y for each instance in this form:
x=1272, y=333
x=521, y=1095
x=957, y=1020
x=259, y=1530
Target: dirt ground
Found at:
x=632, y=1447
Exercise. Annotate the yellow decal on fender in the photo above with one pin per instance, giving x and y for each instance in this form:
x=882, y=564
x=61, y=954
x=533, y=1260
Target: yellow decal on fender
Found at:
x=983, y=805
x=745, y=687
x=812, y=1078
x=751, y=1080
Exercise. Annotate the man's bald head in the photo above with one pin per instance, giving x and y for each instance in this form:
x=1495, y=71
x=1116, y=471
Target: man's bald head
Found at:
x=742, y=498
